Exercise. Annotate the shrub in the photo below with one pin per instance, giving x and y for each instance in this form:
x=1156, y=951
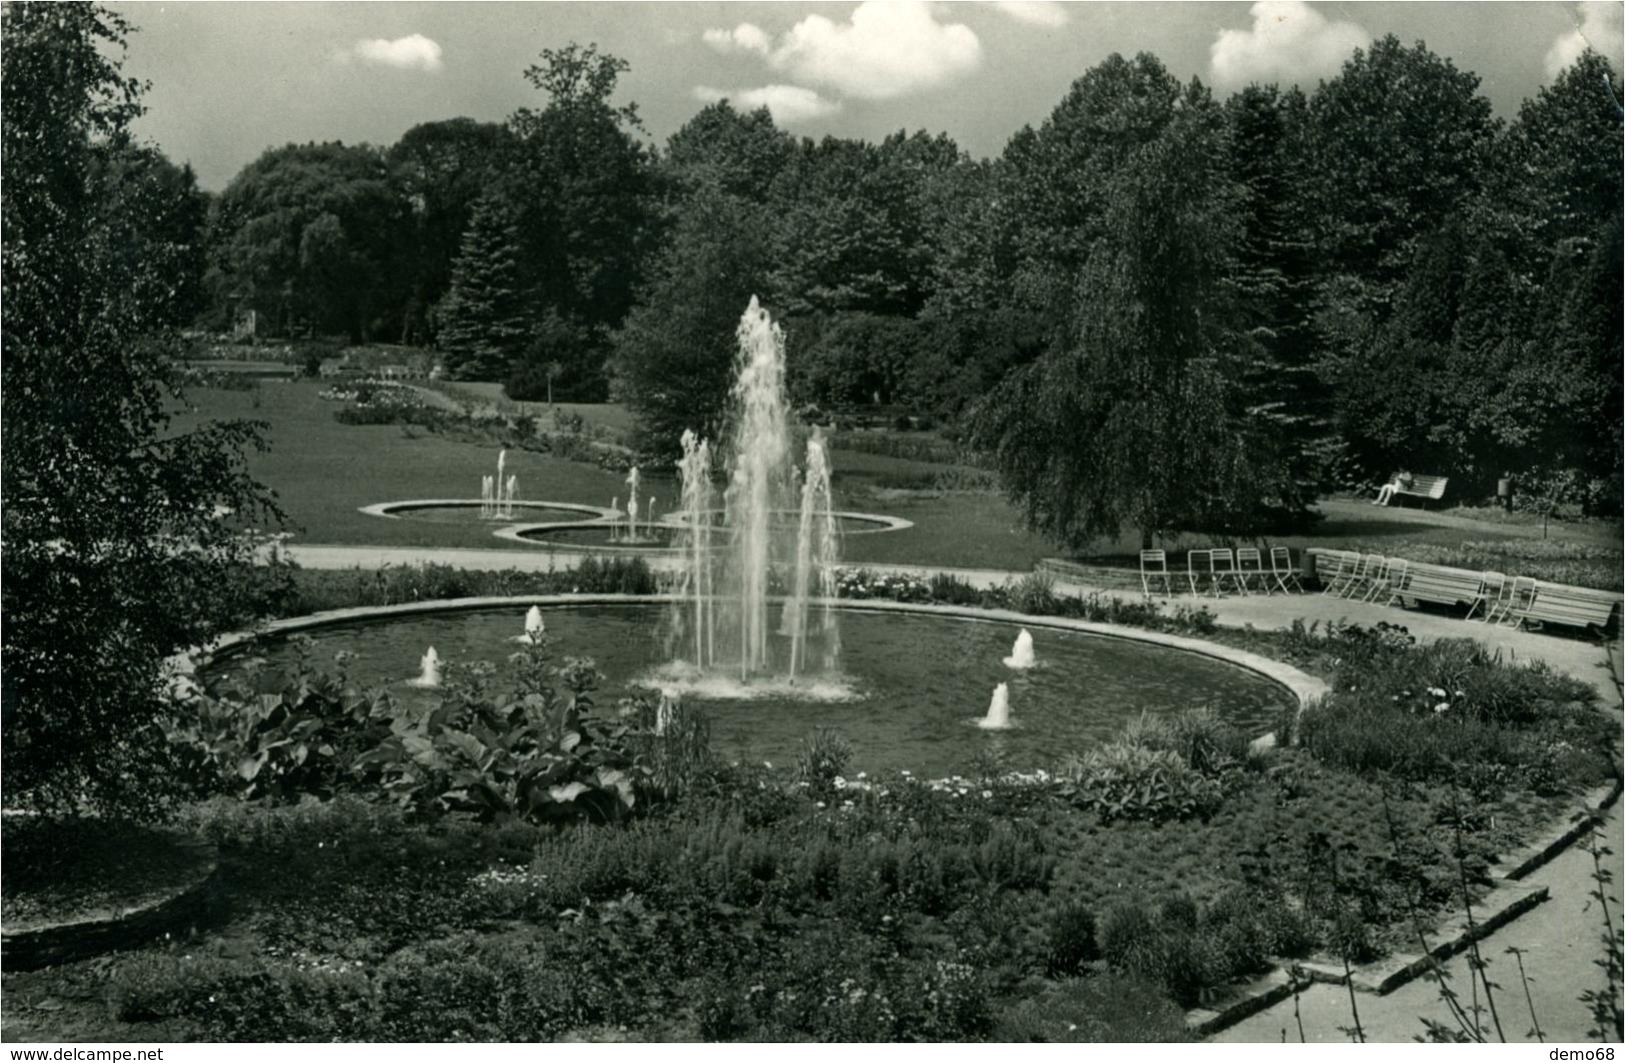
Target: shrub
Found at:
x=1129, y=779
x=824, y=756
x=1071, y=941
x=1034, y=593
x=1452, y=712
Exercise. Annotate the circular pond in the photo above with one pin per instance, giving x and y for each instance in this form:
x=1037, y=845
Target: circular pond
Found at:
x=912, y=691
x=469, y=513
x=657, y=537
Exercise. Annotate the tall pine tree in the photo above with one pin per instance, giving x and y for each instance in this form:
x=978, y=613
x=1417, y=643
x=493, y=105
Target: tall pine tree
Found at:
x=482, y=321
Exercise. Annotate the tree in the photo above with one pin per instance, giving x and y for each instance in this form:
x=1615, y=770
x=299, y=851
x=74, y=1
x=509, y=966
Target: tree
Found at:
x=441, y=169
x=674, y=356
x=482, y=324
x=740, y=152
x=1274, y=278
x=1400, y=139
x=307, y=233
x=1129, y=417
x=583, y=189
x=1014, y=235
x=115, y=555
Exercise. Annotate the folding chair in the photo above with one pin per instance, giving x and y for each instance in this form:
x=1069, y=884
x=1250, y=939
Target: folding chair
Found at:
x=1336, y=565
x=1351, y=572
x=1154, y=565
x=1522, y=596
x=1206, y=557
x=1281, y=569
x=1366, y=574
x=1250, y=563
x=1391, y=582
x=1491, y=586
x=1224, y=568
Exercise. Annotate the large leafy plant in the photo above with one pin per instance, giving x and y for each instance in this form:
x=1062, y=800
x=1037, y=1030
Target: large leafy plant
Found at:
x=536, y=752
x=533, y=751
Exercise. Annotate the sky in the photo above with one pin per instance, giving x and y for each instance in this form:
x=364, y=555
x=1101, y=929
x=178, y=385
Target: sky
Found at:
x=229, y=80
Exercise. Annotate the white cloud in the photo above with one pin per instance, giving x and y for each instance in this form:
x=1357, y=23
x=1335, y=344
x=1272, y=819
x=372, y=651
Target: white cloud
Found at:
x=1599, y=28
x=744, y=37
x=788, y=104
x=416, y=52
x=889, y=48
x=1289, y=42
x=1033, y=12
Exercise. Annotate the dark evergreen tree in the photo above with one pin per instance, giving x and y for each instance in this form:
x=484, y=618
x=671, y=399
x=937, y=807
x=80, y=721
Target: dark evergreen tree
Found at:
x=482, y=326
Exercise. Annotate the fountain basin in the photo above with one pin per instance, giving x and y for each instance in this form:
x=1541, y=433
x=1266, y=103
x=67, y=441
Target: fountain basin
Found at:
x=467, y=511
x=921, y=675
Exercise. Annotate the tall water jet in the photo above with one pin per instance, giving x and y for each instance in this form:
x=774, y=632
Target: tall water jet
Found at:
x=774, y=521
x=998, y=710
x=817, y=550
x=632, y=506
x=695, y=608
x=429, y=676
x=1021, y=654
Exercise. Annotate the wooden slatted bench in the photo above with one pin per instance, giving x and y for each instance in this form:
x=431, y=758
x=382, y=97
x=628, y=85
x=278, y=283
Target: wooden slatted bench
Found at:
x=1435, y=583
x=1554, y=603
x=1426, y=488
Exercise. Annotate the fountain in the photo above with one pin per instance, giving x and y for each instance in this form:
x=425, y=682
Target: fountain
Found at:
x=998, y=710
x=429, y=678
x=720, y=616
x=497, y=494
x=1021, y=654
x=534, y=628
x=632, y=507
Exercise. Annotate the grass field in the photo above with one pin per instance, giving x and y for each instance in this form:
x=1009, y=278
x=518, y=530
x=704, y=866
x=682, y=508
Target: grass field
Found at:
x=324, y=472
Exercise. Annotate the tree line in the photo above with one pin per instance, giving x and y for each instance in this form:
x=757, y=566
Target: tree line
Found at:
x=1221, y=307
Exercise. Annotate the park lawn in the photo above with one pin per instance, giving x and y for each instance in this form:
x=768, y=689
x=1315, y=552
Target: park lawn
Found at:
x=323, y=472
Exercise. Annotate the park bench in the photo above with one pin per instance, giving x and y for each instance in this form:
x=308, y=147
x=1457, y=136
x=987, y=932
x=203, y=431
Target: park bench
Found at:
x=1426, y=488
x=1444, y=586
x=1553, y=603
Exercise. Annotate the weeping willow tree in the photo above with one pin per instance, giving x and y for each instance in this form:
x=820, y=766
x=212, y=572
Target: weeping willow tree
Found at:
x=1134, y=416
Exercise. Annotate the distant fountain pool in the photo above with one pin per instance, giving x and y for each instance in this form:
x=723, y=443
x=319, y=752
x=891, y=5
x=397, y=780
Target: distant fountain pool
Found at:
x=910, y=693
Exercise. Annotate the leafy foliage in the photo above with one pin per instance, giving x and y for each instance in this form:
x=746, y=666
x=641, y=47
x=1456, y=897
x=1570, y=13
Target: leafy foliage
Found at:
x=116, y=551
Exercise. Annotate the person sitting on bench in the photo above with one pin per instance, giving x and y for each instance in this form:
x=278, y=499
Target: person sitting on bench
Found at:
x=1386, y=494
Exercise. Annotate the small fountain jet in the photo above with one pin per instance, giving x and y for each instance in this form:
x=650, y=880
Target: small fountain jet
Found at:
x=998, y=710
x=1021, y=654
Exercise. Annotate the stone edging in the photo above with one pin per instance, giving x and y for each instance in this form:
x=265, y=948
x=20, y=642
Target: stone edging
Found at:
x=1301, y=685
x=598, y=516
x=45, y=946
x=1509, y=899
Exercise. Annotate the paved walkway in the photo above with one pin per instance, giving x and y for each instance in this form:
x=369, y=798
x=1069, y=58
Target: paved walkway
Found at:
x=1561, y=940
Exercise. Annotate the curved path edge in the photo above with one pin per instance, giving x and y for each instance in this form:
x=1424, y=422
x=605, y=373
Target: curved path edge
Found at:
x=1300, y=684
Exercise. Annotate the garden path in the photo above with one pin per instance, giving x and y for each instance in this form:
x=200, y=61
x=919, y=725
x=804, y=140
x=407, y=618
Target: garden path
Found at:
x=1560, y=938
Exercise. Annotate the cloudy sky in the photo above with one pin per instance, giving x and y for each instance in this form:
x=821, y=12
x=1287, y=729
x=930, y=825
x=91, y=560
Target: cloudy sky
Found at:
x=231, y=79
